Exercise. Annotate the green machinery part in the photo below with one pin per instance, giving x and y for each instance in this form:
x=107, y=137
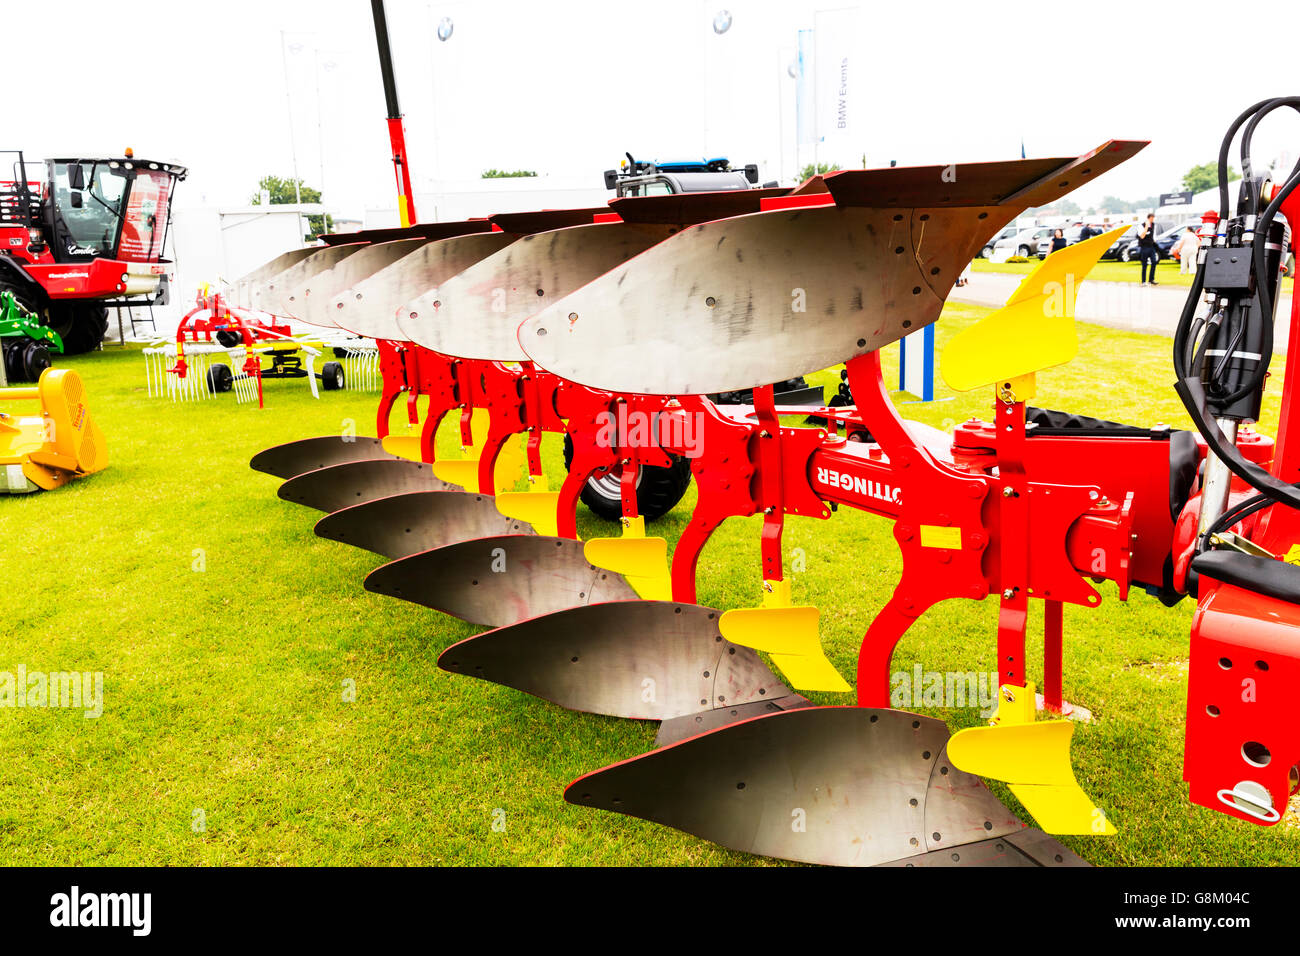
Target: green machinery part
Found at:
x=17, y=321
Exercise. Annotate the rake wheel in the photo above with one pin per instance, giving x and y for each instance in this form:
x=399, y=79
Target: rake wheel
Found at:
x=331, y=376
x=220, y=379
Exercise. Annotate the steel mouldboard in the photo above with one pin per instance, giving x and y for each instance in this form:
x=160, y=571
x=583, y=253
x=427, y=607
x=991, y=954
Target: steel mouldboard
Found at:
x=416, y=521
x=341, y=486
x=370, y=307
x=309, y=454
x=476, y=314
x=501, y=580
x=646, y=660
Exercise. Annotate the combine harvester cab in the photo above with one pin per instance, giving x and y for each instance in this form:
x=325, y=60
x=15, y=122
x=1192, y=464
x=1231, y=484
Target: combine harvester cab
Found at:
x=88, y=237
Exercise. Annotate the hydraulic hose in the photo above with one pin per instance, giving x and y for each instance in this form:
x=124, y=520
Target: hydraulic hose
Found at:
x=1189, y=387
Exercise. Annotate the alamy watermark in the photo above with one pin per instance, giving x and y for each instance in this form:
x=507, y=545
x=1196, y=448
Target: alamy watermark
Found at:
x=79, y=689
x=682, y=432
x=953, y=689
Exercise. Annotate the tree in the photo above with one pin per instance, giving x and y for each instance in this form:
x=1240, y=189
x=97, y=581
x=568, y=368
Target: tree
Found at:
x=287, y=191
x=816, y=169
x=504, y=174
x=1206, y=176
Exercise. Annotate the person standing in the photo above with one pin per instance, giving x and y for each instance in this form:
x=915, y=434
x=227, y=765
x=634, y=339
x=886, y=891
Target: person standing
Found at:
x=1058, y=242
x=1148, y=251
x=1186, y=248
x=1087, y=232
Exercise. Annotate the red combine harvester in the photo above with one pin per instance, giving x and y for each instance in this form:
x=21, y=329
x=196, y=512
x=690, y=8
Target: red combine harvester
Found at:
x=87, y=238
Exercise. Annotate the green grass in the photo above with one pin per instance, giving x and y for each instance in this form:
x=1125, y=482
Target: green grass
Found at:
x=1109, y=271
x=223, y=686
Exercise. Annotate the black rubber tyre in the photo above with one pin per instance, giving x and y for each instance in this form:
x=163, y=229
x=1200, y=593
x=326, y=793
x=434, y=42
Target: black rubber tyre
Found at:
x=229, y=338
x=331, y=376
x=35, y=360
x=1125, y=255
x=657, y=491
x=220, y=378
x=81, y=325
x=1023, y=252
x=24, y=360
x=986, y=252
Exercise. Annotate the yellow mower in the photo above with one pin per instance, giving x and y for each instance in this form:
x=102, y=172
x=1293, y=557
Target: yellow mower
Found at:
x=47, y=450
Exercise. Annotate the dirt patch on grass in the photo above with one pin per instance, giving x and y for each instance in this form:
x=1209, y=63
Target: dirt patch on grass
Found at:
x=1161, y=671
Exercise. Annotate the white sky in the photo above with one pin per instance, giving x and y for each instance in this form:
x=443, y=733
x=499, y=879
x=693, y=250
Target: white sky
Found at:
x=566, y=87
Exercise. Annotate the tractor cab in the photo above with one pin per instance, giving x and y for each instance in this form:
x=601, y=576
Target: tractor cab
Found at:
x=112, y=208
x=85, y=237
x=640, y=178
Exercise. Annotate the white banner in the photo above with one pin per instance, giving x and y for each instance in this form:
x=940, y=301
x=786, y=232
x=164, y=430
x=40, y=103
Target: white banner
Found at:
x=805, y=94
x=838, y=82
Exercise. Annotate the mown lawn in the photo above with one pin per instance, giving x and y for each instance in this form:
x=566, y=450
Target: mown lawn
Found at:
x=226, y=632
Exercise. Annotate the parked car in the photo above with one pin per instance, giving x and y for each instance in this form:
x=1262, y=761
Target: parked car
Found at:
x=1071, y=237
x=1025, y=242
x=1006, y=233
x=1166, y=236
x=1115, y=247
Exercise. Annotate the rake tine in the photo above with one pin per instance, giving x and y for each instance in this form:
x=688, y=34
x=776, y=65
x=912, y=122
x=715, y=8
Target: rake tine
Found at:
x=199, y=380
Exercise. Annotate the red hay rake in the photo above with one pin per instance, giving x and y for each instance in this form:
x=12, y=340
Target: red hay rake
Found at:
x=219, y=348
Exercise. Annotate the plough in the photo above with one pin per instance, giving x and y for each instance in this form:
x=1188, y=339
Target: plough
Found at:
x=612, y=326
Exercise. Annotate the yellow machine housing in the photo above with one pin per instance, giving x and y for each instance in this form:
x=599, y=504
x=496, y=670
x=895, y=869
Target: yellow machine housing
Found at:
x=60, y=442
